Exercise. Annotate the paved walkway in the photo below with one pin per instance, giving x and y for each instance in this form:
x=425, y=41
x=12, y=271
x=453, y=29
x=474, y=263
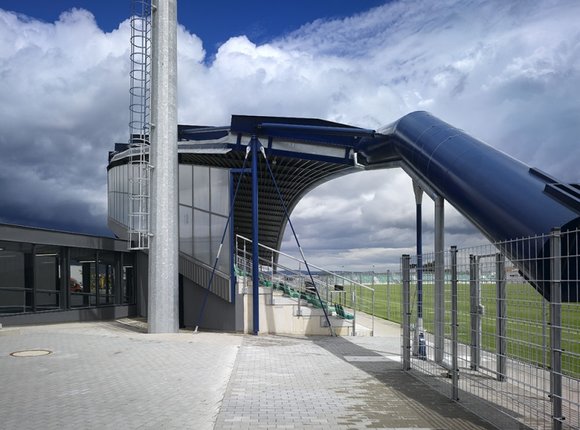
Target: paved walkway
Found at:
x=112, y=375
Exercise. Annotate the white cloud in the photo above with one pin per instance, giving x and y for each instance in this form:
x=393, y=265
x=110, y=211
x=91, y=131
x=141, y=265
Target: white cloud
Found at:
x=506, y=72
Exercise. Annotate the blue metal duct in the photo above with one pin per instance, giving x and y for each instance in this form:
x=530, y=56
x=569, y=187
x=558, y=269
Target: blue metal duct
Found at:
x=503, y=197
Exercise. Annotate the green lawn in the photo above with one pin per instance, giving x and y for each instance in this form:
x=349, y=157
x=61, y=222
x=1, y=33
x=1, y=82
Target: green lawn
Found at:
x=528, y=337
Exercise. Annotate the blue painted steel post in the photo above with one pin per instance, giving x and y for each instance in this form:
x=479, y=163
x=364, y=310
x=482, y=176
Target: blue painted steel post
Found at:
x=419, y=345
x=255, y=249
x=419, y=264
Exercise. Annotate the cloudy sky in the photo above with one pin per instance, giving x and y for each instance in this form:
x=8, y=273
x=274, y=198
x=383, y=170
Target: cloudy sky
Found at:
x=507, y=72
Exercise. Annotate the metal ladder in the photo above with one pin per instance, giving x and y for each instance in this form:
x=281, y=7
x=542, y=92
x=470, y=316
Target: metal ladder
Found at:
x=139, y=126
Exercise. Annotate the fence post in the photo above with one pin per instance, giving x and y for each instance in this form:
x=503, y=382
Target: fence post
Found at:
x=373, y=315
x=475, y=300
x=272, y=279
x=556, y=329
x=406, y=268
x=300, y=285
x=388, y=295
x=454, y=325
x=245, y=269
x=501, y=318
x=354, y=302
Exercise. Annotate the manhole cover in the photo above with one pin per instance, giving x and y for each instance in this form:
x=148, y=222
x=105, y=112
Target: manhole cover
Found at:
x=31, y=353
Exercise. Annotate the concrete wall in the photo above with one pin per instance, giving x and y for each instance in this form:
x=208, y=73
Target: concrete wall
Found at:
x=218, y=315
x=284, y=316
x=141, y=282
x=73, y=315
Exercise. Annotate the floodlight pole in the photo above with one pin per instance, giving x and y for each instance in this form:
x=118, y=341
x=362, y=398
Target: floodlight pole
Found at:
x=163, y=311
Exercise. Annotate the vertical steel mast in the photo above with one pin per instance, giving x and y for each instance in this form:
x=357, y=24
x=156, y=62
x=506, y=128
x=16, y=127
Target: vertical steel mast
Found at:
x=163, y=313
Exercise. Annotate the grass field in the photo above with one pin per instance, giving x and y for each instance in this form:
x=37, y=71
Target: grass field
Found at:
x=528, y=319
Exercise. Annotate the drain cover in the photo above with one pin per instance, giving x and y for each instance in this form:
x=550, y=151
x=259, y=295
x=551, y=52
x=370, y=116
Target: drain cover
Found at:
x=31, y=353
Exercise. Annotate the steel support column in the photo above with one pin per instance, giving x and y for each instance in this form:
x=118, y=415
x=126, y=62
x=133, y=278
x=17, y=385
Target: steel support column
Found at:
x=439, y=280
x=163, y=312
x=255, y=239
x=419, y=341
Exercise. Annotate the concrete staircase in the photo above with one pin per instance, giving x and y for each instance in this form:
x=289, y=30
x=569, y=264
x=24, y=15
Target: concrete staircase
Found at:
x=280, y=314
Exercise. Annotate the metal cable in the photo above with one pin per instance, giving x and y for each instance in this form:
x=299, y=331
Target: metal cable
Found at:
x=297, y=241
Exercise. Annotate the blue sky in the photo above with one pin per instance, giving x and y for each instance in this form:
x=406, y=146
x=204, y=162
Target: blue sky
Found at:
x=213, y=21
x=507, y=72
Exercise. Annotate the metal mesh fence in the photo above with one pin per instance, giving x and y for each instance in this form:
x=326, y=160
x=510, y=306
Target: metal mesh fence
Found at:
x=497, y=328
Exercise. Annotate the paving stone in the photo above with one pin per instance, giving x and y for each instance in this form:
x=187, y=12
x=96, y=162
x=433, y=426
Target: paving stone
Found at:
x=109, y=375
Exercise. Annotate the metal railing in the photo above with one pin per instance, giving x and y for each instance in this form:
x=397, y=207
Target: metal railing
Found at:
x=511, y=329
x=276, y=266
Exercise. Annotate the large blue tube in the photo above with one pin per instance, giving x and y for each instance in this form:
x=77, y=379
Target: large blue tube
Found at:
x=496, y=192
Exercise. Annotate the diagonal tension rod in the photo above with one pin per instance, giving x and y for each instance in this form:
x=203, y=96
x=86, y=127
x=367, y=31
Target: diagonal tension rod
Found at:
x=217, y=257
x=297, y=241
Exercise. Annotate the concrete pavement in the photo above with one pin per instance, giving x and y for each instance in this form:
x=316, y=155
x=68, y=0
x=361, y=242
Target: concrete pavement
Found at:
x=113, y=375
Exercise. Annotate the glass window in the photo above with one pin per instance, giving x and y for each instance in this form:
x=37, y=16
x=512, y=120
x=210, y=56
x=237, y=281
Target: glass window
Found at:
x=47, y=300
x=113, y=211
x=186, y=230
x=125, y=218
x=119, y=210
x=185, y=185
x=133, y=185
x=220, y=195
x=201, y=238
x=120, y=179
x=111, y=199
x=218, y=224
x=83, y=278
x=201, y=184
x=47, y=277
x=106, y=284
x=13, y=296
x=46, y=272
x=106, y=278
x=127, y=292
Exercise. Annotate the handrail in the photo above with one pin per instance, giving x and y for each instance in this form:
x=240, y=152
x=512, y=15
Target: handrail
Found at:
x=321, y=285
x=351, y=281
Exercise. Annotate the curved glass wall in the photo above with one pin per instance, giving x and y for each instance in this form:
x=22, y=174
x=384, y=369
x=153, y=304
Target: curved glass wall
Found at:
x=118, y=195
x=204, y=204
x=204, y=201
